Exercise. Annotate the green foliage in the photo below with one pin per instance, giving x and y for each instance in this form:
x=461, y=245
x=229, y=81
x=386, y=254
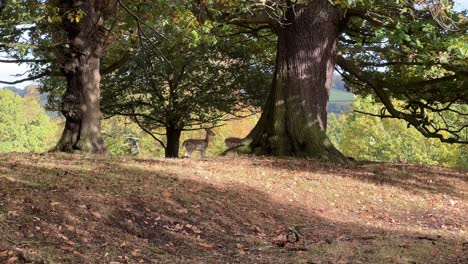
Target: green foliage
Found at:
x=398, y=47
x=414, y=55
x=366, y=137
x=195, y=77
x=116, y=130
x=24, y=124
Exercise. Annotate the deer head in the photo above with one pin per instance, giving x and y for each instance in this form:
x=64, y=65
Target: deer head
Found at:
x=209, y=132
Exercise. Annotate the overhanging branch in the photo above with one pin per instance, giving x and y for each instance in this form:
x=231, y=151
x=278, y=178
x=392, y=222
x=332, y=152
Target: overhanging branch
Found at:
x=419, y=122
x=24, y=61
x=117, y=64
x=149, y=132
x=31, y=78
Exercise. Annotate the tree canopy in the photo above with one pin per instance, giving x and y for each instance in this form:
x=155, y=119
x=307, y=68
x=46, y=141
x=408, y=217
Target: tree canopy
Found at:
x=412, y=51
x=209, y=73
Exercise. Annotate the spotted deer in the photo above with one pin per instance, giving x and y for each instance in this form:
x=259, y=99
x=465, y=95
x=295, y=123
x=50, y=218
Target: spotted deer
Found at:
x=232, y=142
x=201, y=145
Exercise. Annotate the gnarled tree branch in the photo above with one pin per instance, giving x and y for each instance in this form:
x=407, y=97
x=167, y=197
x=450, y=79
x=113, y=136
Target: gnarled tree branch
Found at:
x=419, y=122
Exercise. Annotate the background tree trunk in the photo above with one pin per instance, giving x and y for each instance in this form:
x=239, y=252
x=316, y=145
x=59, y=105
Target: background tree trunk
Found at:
x=294, y=120
x=79, y=61
x=173, y=142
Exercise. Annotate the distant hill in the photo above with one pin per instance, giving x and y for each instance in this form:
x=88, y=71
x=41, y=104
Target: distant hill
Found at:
x=338, y=83
x=20, y=92
x=340, y=98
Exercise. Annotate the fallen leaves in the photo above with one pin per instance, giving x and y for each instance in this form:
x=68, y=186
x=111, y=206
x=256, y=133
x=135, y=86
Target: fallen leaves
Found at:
x=285, y=236
x=12, y=260
x=185, y=229
x=111, y=212
x=395, y=259
x=68, y=248
x=96, y=215
x=240, y=249
x=206, y=245
x=66, y=239
x=166, y=194
x=12, y=213
x=135, y=252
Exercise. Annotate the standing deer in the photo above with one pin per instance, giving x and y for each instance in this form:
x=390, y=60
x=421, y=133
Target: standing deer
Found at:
x=232, y=142
x=201, y=145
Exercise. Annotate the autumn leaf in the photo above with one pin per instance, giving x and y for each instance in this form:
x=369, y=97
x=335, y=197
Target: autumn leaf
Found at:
x=396, y=259
x=13, y=213
x=206, y=245
x=97, y=215
x=368, y=216
x=69, y=249
x=12, y=260
x=166, y=194
x=135, y=252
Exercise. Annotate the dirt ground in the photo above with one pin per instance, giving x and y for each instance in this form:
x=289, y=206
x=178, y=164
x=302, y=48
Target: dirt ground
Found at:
x=63, y=208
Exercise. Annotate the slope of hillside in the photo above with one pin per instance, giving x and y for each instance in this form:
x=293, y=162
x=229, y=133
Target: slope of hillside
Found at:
x=340, y=96
x=58, y=208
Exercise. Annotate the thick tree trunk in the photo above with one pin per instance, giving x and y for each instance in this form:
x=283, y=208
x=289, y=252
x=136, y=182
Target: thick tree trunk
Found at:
x=172, y=142
x=294, y=120
x=80, y=65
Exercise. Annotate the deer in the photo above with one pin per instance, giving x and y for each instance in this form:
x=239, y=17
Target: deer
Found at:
x=201, y=145
x=232, y=142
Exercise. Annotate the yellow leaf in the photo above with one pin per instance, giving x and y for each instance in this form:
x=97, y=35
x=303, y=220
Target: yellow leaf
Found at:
x=369, y=216
x=206, y=245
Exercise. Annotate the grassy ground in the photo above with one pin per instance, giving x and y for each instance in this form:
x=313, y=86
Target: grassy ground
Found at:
x=58, y=208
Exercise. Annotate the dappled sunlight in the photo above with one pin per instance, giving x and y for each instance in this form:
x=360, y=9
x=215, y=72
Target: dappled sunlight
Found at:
x=224, y=209
x=389, y=207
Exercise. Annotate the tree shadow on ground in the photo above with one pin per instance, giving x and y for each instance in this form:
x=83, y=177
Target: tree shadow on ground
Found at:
x=412, y=177
x=111, y=212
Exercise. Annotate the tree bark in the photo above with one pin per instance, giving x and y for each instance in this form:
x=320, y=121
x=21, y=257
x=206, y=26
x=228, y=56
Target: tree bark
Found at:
x=79, y=62
x=173, y=142
x=294, y=119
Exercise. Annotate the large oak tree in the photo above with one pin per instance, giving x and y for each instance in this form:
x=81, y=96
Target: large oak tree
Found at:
x=63, y=42
x=412, y=50
x=82, y=24
x=65, y=38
